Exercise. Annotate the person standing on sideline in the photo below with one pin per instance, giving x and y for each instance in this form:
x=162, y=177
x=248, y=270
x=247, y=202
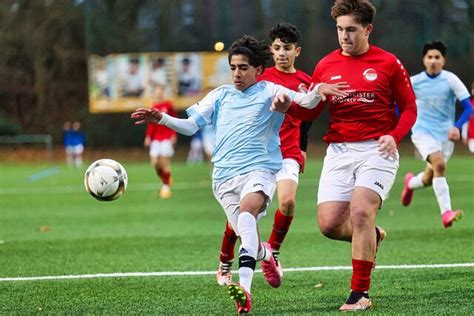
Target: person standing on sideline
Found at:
x=244, y=163
x=67, y=142
x=434, y=132
x=362, y=158
x=285, y=49
x=161, y=141
x=77, y=144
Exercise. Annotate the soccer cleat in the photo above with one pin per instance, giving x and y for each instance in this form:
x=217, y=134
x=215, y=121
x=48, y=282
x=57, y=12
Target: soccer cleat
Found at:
x=165, y=192
x=242, y=298
x=449, y=217
x=270, y=268
x=224, y=274
x=357, y=301
x=276, y=255
x=407, y=193
x=381, y=234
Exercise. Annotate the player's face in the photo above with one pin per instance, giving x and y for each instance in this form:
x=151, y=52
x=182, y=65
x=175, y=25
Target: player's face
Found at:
x=243, y=74
x=433, y=61
x=284, y=55
x=353, y=37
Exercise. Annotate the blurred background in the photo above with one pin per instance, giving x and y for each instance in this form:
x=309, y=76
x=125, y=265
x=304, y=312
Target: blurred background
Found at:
x=45, y=46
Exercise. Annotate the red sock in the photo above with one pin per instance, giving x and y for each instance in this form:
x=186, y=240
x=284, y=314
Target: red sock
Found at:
x=281, y=225
x=361, y=270
x=228, y=244
x=164, y=176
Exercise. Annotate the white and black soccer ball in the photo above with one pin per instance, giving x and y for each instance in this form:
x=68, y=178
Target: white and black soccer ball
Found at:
x=106, y=179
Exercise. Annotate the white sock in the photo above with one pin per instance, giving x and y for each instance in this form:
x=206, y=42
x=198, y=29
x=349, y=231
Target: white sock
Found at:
x=245, y=278
x=263, y=254
x=441, y=190
x=247, y=227
x=417, y=181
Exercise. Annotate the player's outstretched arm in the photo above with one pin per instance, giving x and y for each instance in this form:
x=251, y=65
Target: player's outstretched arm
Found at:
x=183, y=126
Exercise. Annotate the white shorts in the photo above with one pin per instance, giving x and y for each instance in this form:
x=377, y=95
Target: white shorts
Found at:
x=162, y=148
x=355, y=164
x=426, y=145
x=75, y=150
x=229, y=193
x=290, y=170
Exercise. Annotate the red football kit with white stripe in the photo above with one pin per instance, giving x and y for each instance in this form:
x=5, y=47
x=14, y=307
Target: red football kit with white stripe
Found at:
x=377, y=80
x=290, y=129
x=160, y=132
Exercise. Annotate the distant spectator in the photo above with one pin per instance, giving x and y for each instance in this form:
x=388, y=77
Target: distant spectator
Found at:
x=189, y=80
x=77, y=144
x=67, y=141
x=132, y=81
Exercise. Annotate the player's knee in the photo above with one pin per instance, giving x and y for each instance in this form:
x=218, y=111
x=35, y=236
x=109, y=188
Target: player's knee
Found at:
x=329, y=231
x=287, y=205
x=440, y=167
x=360, y=216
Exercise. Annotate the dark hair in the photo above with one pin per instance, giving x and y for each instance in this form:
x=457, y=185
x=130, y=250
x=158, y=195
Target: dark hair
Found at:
x=438, y=45
x=134, y=61
x=286, y=32
x=362, y=10
x=256, y=51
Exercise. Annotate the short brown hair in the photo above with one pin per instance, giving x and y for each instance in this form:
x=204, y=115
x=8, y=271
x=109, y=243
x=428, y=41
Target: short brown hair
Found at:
x=362, y=10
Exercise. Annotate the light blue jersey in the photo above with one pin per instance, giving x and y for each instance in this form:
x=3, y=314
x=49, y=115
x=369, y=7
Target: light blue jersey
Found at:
x=246, y=131
x=436, y=103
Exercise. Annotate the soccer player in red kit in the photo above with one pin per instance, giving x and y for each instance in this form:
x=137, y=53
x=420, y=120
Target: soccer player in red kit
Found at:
x=161, y=140
x=285, y=50
x=362, y=157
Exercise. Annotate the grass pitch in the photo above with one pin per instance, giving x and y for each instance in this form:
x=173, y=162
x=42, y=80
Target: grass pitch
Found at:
x=52, y=227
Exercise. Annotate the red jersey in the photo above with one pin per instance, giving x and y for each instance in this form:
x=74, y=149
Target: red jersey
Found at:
x=290, y=129
x=377, y=80
x=161, y=132
x=470, y=131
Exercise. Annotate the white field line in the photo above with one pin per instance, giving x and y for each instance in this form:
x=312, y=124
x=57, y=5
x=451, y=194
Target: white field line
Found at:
x=150, y=186
x=196, y=273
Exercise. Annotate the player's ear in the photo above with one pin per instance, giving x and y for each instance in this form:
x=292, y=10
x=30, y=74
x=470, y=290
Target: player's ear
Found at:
x=298, y=50
x=368, y=29
x=259, y=70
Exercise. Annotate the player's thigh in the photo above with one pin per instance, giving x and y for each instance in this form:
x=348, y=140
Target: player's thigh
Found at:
x=253, y=203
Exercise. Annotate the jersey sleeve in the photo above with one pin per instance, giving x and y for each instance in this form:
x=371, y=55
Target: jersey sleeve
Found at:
x=203, y=110
x=459, y=89
x=405, y=98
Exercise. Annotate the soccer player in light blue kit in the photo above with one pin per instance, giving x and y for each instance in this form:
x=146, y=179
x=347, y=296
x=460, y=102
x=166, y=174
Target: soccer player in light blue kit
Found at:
x=434, y=131
x=247, y=151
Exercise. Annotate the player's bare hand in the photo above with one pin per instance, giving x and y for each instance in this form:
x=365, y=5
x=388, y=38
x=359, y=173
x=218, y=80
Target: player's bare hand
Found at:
x=143, y=116
x=454, y=134
x=280, y=103
x=387, y=146
x=336, y=89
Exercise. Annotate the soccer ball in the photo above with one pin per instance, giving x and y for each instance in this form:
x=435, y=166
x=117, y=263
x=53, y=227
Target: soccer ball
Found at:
x=105, y=179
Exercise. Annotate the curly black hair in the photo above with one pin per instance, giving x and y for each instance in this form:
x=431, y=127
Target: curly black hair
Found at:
x=438, y=45
x=257, y=52
x=286, y=32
